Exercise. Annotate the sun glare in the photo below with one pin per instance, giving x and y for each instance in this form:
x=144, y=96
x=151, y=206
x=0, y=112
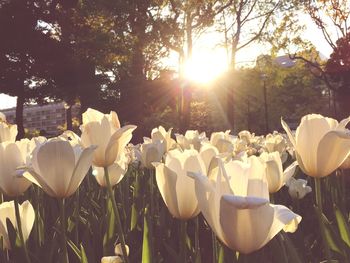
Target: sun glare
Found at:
x=205, y=67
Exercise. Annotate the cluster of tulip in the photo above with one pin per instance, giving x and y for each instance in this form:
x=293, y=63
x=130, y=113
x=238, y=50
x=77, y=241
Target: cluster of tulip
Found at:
x=227, y=178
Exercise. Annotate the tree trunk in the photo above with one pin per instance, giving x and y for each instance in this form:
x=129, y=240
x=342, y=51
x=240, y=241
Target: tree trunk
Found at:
x=19, y=113
x=69, y=117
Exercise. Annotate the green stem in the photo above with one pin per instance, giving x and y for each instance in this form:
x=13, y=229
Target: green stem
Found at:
x=117, y=216
x=77, y=207
x=1, y=198
x=213, y=238
x=20, y=232
x=63, y=231
x=318, y=194
x=196, y=240
x=183, y=239
x=319, y=209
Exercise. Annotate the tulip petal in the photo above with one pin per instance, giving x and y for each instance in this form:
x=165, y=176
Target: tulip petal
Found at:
x=56, y=176
x=332, y=150
x=289, y=171
x=343, y=123
x=187, y=201
x=246, y=222
x=166, y=180
x=92, y=115
x=283, y=219
x=81, y=169
x=27, y=218
x=37, y=179
x=308, y=135
x=257, y=185
x=117, y=143
x=289, y=133
x=209, y=201
x=97, y=133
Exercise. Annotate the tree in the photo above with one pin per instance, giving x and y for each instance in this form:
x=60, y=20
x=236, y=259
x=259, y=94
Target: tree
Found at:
x=24, y=49
x=244, y=22
x=338, y=68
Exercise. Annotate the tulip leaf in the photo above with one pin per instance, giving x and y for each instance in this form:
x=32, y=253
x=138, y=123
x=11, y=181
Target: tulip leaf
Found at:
x=109, y=235
x=75, y=249
x=342, y=225
x=83, y=255
x=13, y=238
x=146, y=242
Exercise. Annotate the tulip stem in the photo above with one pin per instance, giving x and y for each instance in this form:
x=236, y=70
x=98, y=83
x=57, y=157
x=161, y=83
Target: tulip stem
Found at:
x=20, y=232
x=183, y=241
x=318, y=194
x=63, y=231
x=117, y=216
x=213, y=238
x=196, y=240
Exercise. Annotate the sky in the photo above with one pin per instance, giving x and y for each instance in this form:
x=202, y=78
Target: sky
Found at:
x=209, y=59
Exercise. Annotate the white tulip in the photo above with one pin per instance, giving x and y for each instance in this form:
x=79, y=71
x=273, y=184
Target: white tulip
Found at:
x=116, y=172
x=58, y=167
x=160, y=134
x=321, y=144
x=234, y=200
x=13, y=157
x=104, y=131
x=27, y=216
x=176, y=188
x=275, y=175
x=192, y=138
x=8, y=132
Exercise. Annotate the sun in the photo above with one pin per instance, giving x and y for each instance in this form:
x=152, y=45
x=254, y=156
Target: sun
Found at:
x=206, y=65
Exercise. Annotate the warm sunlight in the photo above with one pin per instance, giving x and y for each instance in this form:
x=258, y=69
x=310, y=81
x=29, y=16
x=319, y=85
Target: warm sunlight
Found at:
x=206, y=65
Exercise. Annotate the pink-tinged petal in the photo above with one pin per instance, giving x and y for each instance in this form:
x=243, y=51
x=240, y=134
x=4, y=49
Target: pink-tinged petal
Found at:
x=332, y=150
x=117, y=143
x=56, y=162
x=166, y=182
x=83, y=164
x=246, y=222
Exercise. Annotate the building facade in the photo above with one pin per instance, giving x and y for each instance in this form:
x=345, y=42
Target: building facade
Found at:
x=44, y=118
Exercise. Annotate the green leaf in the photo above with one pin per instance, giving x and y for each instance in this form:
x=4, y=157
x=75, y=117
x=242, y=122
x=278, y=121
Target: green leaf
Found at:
x=146, y=242
x=108, y=238
x=83, y=255
x=75, y=249
x=342, y=225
